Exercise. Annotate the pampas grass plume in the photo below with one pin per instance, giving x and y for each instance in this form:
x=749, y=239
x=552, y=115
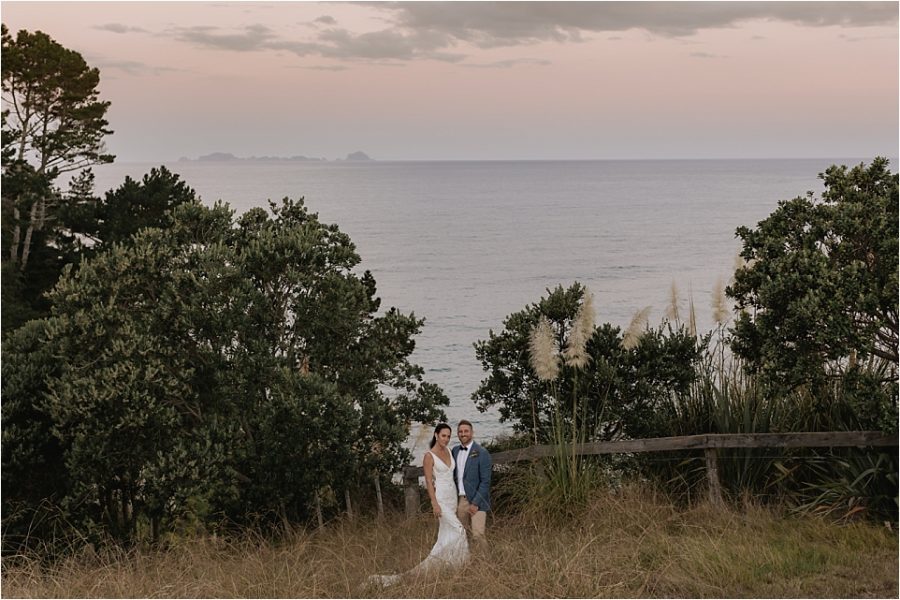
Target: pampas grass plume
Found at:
x=721, y=314
x=692, y=314
x=636, y=328
x=672, y=309
x=739, y=262
x=421, y=437
x=582, y=328
x=542, y=347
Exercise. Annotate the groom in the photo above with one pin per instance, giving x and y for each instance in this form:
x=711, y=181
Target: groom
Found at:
x=473, y=481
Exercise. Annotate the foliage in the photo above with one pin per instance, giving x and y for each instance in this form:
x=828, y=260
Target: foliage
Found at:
x=218, y=367
x=53, y=122
x=669, y=383
x=819, y=291
x=727, y=397
x=84, y=224
x=817, y=336
x=34, y=477
x=568, y=477
x=621, y=389
x=135, y=205
x=22, y=188
x=54, y=114
x=16, y=309
x=849, y=484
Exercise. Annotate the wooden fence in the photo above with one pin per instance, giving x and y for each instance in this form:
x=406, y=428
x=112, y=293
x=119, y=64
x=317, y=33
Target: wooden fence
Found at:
x=710, y=443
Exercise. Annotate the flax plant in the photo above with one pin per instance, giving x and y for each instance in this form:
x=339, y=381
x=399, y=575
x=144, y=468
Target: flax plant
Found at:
x=727, y=397
x=724, y=398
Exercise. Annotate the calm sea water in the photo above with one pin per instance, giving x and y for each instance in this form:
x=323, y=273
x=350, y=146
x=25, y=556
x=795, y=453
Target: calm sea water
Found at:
x=464, y=244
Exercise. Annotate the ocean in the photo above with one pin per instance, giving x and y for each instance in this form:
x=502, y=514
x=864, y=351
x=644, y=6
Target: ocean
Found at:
x=465, y=244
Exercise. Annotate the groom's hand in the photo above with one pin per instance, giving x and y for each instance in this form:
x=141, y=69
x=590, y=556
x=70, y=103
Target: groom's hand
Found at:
x=473, y=508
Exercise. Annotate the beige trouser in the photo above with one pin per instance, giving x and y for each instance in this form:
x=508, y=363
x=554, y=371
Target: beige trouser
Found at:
x=474, y=523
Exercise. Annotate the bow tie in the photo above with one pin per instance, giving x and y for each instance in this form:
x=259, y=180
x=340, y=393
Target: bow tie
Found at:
x=464, y=449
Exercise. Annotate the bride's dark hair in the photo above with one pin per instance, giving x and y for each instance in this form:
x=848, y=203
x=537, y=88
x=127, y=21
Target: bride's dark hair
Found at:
x=437, y=430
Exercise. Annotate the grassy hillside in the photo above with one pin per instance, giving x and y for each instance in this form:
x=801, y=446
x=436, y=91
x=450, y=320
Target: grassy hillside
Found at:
x=627, y=545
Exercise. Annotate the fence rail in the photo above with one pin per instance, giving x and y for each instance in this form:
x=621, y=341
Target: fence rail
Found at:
x=708, y=442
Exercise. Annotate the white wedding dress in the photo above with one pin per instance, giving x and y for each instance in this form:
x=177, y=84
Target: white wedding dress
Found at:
x=451, y=548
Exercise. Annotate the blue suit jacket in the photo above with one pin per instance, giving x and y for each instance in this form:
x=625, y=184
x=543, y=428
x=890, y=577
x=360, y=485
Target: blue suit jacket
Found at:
x=477, y=476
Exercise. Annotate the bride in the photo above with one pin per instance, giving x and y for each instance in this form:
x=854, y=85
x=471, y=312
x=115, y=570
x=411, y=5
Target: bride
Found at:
x=451, y=548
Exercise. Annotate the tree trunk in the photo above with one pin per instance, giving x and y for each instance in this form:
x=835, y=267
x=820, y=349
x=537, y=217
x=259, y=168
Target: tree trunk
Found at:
x=319, y=511
x=127, y=515
x=284, y=519
x=378, y=498
x=26, y=247
x=154, y=529
x=17, y=234
x=349, y=505
x=109, y=506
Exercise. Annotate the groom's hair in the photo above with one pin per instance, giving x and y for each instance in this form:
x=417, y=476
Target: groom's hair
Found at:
x=464, y=422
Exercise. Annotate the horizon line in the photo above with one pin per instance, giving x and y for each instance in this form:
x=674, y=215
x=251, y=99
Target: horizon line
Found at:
x=444, y=160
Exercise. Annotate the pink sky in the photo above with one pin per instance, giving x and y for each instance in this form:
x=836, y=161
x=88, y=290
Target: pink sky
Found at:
x=430, y=81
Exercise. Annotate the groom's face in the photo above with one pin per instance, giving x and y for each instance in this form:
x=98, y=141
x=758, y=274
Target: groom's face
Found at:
x=464, y=433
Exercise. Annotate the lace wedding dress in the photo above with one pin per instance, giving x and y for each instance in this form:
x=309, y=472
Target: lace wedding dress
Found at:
x=451, y=548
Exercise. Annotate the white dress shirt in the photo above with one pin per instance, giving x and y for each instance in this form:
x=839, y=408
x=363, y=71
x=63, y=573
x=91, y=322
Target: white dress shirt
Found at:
x=461, y=457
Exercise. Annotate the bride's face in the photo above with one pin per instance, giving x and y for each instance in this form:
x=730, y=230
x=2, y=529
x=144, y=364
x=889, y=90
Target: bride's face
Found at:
x=443, y=437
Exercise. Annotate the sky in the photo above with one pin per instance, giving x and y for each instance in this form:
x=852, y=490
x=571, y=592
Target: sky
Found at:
x=487, y=81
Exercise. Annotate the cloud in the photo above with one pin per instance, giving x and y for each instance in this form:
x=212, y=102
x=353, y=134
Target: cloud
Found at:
x=326, y=68
x=506, y=64
x=298, y=48
x=119, y=28
x=433, y=30
x=860, y=38
x=253, y=37
x=491, y=24
x=130, y=67
x=387, y=44
x=705, y=55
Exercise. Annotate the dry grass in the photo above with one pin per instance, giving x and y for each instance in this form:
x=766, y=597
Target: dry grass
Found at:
x=626, y=545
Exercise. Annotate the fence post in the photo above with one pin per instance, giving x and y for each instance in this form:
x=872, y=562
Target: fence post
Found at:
x=712, y=474
x=411, y=491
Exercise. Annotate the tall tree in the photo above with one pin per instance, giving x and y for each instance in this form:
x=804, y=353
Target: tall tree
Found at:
x=818, y=293
x=53, y=121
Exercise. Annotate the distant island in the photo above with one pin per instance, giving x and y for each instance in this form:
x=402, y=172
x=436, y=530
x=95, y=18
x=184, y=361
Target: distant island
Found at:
x=359, y=155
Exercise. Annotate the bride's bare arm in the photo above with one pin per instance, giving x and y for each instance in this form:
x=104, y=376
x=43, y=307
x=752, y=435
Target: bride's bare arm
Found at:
x=428, y=467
